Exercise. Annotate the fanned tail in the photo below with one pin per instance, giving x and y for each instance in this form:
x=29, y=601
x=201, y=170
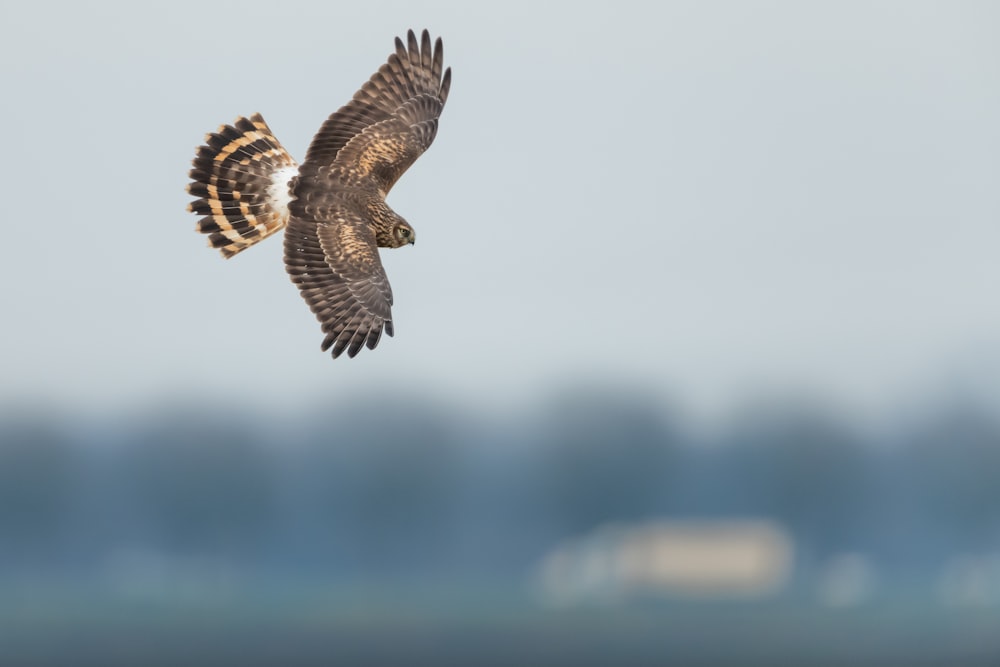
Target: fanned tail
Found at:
x=241, y=175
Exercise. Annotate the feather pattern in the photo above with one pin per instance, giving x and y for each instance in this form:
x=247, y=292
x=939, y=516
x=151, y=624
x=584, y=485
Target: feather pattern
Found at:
x=241, y=176
x=336, y=266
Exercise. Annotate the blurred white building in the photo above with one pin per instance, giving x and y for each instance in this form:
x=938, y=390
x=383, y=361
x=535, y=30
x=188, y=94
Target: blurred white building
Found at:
x=705, y=558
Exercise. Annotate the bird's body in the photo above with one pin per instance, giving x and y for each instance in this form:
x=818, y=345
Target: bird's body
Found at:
x=333, y=206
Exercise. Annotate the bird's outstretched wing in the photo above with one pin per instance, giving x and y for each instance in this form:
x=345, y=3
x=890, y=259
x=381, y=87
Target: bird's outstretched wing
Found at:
x=390, y=121
x=336, y=265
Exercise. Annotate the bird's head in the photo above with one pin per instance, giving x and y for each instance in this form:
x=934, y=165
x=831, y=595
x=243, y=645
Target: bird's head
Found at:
x=403, y=234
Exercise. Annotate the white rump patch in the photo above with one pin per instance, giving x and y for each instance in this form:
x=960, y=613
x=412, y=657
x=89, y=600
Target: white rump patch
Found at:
x=279, y=193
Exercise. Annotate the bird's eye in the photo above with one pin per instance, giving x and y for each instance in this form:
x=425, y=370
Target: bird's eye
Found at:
x=404, y=232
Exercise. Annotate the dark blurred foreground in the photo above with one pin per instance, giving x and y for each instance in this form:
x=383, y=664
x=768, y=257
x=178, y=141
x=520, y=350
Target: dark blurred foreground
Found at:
x=337, y=627
x=596, y=532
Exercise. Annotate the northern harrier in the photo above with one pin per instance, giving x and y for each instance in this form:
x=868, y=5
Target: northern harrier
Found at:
x=333, y=204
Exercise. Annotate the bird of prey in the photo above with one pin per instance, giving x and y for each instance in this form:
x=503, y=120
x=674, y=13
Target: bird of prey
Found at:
x=332, y=206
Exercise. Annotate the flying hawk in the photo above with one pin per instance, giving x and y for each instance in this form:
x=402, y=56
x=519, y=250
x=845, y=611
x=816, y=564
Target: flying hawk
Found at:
x=333, y=204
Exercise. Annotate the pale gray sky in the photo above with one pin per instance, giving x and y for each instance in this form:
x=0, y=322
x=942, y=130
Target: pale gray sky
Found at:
x=709, y=199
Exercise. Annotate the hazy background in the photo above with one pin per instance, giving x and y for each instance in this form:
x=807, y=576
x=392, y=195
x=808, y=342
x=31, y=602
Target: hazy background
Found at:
x=710, y=198
x=744, y=251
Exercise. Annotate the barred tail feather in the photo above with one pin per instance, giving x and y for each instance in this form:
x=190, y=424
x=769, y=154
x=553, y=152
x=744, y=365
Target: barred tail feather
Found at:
x=241, y=176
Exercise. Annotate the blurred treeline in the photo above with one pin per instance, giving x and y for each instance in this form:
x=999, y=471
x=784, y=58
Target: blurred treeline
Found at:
x=400, y=487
